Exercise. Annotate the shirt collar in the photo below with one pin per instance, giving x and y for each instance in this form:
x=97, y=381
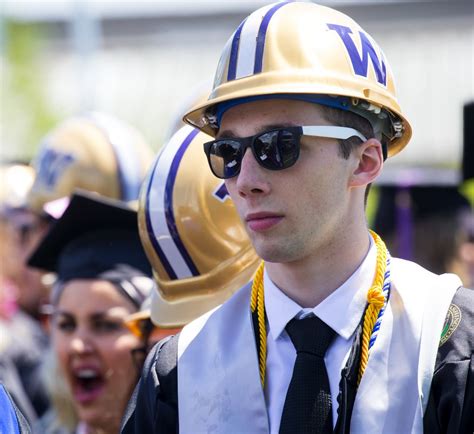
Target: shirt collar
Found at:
x=348, y=301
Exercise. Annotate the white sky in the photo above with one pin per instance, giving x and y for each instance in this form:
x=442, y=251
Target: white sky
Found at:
x=62, y=9
x=39, y=10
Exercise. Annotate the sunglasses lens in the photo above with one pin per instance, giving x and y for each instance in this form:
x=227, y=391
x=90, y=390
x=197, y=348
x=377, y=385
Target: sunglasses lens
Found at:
x=274, y=150
x=225, y=157
x=277, y=150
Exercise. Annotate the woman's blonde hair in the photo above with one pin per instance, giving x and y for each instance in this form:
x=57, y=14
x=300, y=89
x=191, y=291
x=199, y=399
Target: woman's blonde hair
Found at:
x=59, y=393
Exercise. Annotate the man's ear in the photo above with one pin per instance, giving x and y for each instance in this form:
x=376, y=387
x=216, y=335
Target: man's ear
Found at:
x=369, y=163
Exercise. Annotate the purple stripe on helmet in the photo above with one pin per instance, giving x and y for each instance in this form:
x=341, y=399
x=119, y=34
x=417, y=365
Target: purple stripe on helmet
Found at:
x=234, y=52
x=167, y=266
x=262, y=32
x=168, y=199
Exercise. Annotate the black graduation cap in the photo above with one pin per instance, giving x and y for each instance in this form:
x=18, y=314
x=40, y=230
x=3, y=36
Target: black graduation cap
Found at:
x=420, y=201
x=95, y=236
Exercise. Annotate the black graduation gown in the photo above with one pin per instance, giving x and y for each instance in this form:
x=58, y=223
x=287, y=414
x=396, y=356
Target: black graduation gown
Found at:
x=153, y=407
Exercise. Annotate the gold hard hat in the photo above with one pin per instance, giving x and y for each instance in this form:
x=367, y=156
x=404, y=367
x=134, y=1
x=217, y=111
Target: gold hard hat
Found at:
x=191, y=232
x=299, y=48
x=95, y=152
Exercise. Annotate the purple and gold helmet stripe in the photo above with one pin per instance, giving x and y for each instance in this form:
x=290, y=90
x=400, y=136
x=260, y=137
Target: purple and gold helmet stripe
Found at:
x=233, y=53
x=159, y=214
x=149, y=227
x=262, y=32
x=248, y=44
x=169, y=212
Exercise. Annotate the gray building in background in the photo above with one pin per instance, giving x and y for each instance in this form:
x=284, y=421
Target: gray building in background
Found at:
x=143, y=60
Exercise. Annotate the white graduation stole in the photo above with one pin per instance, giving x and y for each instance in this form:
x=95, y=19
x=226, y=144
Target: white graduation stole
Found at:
x=394, y=389
x=219, y=386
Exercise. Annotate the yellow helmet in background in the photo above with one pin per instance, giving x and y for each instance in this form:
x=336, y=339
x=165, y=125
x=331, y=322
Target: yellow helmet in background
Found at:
x=306, y=51
x=191, y=232
x=95, y=152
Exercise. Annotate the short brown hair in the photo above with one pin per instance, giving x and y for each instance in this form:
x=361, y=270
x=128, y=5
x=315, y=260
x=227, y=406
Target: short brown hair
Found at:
x=344, y=118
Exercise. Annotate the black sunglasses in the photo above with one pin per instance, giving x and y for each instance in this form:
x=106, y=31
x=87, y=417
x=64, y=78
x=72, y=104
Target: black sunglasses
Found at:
x=276, y=149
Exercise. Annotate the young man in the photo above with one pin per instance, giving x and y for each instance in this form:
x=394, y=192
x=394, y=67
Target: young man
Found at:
x=332, y=335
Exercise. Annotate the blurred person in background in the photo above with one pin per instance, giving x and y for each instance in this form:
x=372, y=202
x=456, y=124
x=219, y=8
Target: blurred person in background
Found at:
x=103, y=276
x=22, y=292
x=200, y=256
x=431, y=225
x=20, y=231
x=430, y=222
x=94, y=152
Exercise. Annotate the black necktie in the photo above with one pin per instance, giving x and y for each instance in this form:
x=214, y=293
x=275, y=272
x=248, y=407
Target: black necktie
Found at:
x=307, y=406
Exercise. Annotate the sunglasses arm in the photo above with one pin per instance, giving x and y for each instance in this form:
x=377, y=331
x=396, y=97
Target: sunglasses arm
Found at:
x=332, y=132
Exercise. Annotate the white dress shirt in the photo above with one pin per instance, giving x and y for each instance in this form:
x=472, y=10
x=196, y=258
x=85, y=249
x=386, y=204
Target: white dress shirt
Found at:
x=342, y=311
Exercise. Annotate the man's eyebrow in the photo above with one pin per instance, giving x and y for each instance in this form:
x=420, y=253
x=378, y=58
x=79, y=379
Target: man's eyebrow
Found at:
x=230, y=134
x=226, y=133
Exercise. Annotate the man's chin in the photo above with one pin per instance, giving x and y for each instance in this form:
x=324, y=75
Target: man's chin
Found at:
x=274, y=252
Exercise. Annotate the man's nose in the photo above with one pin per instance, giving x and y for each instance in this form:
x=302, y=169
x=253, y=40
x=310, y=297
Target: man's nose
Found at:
x=252, y=179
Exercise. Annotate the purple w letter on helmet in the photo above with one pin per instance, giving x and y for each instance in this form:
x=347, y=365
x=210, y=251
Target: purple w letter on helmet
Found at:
x=51, y=165
x=360, y=61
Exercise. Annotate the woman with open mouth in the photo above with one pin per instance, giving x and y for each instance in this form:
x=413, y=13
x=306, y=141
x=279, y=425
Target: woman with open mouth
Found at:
x=103, y=277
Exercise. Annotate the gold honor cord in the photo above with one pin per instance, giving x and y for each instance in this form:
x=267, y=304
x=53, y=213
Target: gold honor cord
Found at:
x=375, y=302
